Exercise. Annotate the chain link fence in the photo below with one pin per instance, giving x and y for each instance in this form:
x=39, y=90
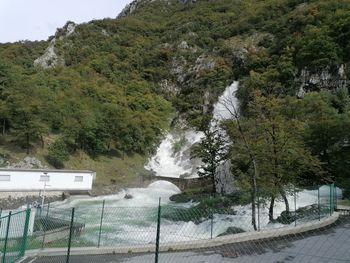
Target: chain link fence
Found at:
x=169, y=227
x=14, y=232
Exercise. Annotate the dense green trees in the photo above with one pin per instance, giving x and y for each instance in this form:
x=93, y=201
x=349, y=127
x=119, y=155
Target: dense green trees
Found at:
x=85, y=110
x=107, y=96
x=275, y=138
x=327, y=134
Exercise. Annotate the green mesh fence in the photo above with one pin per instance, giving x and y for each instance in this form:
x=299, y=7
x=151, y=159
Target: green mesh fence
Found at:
x=14, y=227
x=99, y=224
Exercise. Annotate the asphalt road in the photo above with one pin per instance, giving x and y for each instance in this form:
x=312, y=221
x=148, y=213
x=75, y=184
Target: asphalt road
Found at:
x=327, y=245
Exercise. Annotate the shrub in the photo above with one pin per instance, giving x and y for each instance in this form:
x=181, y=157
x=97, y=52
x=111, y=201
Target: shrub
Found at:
x=58, y=154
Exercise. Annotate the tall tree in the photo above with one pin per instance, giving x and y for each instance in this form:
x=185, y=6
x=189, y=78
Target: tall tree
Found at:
x=328, y=132
x=240, y=134
x=212, y=150
x=276, y=143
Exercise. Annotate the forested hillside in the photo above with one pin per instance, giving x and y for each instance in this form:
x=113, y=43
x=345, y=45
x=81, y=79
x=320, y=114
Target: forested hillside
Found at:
x=112, y=87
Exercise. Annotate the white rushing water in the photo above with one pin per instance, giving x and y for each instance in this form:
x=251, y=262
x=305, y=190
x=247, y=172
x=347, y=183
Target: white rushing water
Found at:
x=173, y=156
x=134, y=221
x=141, y=197
x=227, y=104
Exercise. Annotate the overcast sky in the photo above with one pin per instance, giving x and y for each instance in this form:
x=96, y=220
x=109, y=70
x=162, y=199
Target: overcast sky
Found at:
x=38, y=19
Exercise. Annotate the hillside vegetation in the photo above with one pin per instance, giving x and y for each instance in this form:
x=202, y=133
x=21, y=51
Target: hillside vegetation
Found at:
x=110, y=88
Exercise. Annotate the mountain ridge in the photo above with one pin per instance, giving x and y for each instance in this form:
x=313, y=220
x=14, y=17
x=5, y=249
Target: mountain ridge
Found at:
x=115, y=85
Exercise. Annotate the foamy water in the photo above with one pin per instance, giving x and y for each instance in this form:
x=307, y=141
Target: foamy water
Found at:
x=171, y=163
x=134, y=221
x=227, y=104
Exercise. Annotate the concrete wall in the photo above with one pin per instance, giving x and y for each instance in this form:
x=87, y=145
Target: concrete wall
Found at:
x=19, y=200
x=17, y=180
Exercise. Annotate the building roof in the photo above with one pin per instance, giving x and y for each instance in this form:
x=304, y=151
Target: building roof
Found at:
x=45, y=170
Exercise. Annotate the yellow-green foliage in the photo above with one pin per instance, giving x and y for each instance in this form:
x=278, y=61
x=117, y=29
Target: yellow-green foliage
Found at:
x=107, y=96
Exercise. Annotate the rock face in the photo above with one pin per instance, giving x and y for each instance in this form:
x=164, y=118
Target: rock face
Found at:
x=27, y=163
x=130, y=8
x=128, y=196
x=327, y=78
x=182, y=70
x=225, y=179
x=169, y=87
x=241, y=45
x=50, y=58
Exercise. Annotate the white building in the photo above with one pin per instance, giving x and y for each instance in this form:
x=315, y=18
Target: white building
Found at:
x=31, y=180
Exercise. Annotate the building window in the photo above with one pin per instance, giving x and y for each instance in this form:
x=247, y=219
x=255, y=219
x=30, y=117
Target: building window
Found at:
x=5, y=177
x=78, y=178
x=44, y=178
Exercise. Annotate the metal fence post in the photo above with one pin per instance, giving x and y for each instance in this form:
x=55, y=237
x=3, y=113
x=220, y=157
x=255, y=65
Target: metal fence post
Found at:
x=211, y=225
x=319, y=204
x=70, y=235
x=101, y=221
x=258, y=212
x=6, y=237
x=25, y=233
x=295, y=206
x=158, y=232
x=330, y=200
x=46, y=219
x=335, y=197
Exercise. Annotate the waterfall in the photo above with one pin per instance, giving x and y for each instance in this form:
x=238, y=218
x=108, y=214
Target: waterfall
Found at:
x=227, y=104
x=173, y=156
x=225, y=108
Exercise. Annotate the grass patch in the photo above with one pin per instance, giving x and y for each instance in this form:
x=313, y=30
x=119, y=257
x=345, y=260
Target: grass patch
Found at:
x=113, y=170
x=345, y=202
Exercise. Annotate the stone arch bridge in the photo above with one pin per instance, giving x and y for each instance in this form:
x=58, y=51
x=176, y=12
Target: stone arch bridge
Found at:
x=181, y=183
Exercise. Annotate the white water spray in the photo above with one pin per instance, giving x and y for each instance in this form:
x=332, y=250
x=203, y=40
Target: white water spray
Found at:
x=227, y=104
x=134, y=220
x=172, y=158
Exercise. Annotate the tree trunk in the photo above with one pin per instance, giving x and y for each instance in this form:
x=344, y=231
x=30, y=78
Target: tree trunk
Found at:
x=3, y=126
x=27, y=142
x=213, y=181
x=254, y=194
x=255, y=173
x=285, y=199
x=272, y=203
